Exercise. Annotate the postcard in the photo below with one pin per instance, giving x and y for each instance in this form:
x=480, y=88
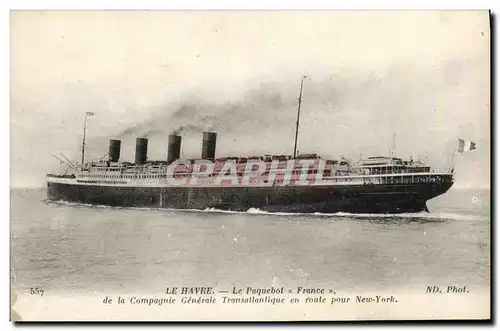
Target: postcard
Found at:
x=250, y=165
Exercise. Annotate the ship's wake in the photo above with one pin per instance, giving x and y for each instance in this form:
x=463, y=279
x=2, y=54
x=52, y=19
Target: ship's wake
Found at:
x=419, y=216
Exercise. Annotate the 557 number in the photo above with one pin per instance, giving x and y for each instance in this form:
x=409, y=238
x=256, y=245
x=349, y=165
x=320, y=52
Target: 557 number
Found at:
x=37, y=291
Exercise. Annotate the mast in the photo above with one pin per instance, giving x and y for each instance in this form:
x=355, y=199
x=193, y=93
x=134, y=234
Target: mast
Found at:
x=83, y=142
x=87, y=114
x=298, y=118
x=452, y=159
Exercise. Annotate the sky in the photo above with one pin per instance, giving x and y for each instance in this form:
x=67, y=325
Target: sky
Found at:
x=412, y=82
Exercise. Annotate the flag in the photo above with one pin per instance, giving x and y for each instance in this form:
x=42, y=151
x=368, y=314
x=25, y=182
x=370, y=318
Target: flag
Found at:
x=465, y=146
x=89, y=113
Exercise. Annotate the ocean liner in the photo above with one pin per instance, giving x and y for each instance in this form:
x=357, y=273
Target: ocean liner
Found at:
x=303, y=183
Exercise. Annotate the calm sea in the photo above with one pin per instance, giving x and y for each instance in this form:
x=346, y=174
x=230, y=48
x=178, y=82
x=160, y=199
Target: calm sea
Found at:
x=71, y=248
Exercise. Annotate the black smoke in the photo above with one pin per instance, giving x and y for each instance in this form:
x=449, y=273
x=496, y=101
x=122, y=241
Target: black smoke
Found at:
x=258, y=109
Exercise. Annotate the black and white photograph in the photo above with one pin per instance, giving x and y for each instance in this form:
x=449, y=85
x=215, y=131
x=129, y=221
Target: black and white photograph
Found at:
x=320, y=165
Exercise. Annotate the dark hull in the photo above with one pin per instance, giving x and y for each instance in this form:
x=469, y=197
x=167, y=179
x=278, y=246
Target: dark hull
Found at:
x=400, y=198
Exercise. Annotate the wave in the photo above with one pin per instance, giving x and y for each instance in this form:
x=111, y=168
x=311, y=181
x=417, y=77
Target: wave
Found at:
x=256, y=211
x=74, y=204
x=422, y=215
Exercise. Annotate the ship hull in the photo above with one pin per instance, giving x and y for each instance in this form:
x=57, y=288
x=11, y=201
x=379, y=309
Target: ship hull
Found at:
x=402, y=198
